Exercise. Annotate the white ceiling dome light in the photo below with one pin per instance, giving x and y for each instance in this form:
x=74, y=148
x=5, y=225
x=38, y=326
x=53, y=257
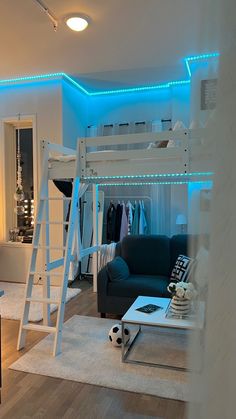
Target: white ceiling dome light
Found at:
x=77, y=22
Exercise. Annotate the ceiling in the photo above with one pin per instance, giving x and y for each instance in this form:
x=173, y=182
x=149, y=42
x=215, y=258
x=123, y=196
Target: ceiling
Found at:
x=128, y=41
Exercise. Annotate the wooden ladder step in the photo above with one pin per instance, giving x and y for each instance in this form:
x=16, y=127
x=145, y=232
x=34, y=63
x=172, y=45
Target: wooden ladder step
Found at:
x=39, y=328
x=41, y=247
x=42, y=300
x=54, y=198
x=52, y=222
x=49, y=273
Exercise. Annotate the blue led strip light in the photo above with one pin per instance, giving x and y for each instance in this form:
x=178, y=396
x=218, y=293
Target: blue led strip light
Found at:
x=76, y=84
x=190, y=59
x=160, y=175
x=31, y=78
x=41, y=77
x=141, y=89
x=186, y=182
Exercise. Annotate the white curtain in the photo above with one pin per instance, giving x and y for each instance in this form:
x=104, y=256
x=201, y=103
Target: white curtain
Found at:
x=161, y=209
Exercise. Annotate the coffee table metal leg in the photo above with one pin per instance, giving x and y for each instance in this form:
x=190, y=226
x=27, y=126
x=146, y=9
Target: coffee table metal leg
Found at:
x=126, y=349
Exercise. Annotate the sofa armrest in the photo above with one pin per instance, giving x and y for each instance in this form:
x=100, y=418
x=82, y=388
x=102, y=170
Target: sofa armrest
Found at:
x=102, y=281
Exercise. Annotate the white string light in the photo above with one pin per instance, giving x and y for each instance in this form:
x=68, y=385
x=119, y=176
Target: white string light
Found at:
x=19, y=193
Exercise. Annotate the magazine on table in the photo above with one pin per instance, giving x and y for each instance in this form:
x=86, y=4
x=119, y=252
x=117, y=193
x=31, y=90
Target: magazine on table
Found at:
x=149, y=308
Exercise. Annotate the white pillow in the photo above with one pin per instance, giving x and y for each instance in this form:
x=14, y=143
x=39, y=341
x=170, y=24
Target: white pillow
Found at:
x=201, y=271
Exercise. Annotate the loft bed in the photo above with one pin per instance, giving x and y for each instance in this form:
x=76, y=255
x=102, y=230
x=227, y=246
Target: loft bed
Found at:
x=164, y=157
x=132, y=159
x=128, y=159
x=148, y=156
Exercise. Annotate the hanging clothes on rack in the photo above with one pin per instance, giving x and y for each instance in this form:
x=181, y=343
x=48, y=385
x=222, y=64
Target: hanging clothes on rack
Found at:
x=135, y=224
x=124, y=219
x=142, y=219
x=129, y=212
x=111, y=222
x=124, y=222
x=118, y=221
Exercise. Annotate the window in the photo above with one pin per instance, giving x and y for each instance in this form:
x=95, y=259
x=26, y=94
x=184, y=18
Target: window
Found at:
x=25, y=221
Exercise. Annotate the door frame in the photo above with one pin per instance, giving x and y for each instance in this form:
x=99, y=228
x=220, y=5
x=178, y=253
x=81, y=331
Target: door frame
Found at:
x=26, y=121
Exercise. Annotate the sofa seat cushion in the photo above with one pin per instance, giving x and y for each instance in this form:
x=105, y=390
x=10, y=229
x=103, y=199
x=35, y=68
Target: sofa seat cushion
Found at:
x=135, y=285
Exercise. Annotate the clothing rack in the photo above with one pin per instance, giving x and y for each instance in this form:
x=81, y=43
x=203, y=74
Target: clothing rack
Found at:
x=127, y=198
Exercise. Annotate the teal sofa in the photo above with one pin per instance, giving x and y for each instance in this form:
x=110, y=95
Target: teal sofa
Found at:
x=150, y=260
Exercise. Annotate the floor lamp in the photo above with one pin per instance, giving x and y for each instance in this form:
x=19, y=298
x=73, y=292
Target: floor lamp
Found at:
x=181, y=221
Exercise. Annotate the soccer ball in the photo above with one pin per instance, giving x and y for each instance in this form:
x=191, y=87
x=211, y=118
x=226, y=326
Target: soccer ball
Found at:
x=115, y=335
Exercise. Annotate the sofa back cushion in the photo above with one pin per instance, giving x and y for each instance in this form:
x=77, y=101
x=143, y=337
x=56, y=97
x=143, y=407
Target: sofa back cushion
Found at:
x=149, y=255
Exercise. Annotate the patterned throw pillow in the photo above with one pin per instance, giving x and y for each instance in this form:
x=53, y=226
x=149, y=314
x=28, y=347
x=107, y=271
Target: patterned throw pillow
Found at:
x=182, y=269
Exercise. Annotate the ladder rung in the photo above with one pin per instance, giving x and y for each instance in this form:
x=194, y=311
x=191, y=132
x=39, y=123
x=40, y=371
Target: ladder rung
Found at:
x=42, y=300
x=50, y=247
x=53, y=198
x=49, y=273
x=39, y=328
x=53, y=222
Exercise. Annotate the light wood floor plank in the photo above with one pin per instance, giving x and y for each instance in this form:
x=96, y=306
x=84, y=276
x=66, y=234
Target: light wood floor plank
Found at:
x=27, y=396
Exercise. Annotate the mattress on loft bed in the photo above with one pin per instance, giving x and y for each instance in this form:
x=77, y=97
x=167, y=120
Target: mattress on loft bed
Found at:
x=62, y=167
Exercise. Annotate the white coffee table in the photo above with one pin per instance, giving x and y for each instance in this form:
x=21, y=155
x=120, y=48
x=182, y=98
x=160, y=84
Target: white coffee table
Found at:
x=158, y=319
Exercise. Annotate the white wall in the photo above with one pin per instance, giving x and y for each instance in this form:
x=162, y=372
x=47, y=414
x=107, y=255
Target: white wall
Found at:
x=201, y=71
x=74, y=114
x=43, y=101
x=40, y=99
x=199, y=221
x=181, y=99
x=198, y=213
x=151, y=105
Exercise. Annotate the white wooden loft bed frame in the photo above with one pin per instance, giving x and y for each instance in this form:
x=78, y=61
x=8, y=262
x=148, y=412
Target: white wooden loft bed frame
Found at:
x=188, y=159
x=188, y=154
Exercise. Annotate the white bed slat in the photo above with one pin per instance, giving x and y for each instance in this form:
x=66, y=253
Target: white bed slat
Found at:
x=136, y=138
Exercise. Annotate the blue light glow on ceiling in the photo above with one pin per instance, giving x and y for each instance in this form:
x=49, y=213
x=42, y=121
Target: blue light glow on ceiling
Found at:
x=138, y=89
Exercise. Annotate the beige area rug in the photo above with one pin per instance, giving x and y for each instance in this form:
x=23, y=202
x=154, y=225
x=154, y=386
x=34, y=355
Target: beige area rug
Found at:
x=13, y=298
x=88, y=357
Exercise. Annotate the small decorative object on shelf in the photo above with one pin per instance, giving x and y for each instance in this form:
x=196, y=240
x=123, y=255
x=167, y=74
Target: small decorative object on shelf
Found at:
x=183, y=294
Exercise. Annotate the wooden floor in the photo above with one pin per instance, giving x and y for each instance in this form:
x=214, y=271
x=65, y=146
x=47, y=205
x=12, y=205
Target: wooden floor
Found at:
x=33, y=396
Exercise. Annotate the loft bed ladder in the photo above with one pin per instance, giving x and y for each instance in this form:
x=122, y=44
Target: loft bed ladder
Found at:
x=42, y=220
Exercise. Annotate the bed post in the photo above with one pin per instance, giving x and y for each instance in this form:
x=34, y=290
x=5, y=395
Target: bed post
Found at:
x=95, y=235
